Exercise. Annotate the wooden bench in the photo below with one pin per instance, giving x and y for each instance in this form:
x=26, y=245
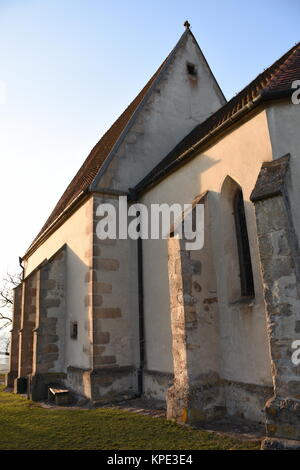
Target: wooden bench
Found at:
x=59, y=394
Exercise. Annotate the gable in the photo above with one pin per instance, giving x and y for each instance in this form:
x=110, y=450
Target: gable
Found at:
x=272, y=84
x=184, y=94
x=86, y=174
x=128, y=126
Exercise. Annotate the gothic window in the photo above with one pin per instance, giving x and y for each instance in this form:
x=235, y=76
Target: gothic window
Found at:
x=246, y=275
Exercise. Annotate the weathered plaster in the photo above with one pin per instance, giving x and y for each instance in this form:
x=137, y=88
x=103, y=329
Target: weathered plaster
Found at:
x=242, y=325
x=176, y=105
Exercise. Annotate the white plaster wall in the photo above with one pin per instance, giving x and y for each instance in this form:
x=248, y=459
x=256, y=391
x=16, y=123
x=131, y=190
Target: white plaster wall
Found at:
x=245, y=352
x=74, y=233
x=158, y=339
x=284, y=124
x=177, y=104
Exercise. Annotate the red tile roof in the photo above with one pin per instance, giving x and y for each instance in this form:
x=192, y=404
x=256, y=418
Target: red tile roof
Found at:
x=86, y=175
x=99, y=154
x=274, y=82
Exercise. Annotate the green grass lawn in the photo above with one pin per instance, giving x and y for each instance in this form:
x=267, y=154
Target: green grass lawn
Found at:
x=26, y=425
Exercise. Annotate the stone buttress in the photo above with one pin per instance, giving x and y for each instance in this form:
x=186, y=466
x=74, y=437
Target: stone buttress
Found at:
x=279, y=257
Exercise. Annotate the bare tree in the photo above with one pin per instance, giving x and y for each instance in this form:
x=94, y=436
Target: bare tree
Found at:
x=6, y=298
x=6, y=344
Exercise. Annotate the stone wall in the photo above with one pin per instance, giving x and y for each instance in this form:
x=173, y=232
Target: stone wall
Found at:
x=246, y=400
x=112, y=305
x=75, y=234
x=50, y=326
x=39, y=321
x=28, y=318
x=279, y=256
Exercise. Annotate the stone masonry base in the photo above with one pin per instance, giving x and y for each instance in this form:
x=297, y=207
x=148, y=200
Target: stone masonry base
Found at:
x=10, y=379
x=37, y=387
x=99, y=386
x=217, y=399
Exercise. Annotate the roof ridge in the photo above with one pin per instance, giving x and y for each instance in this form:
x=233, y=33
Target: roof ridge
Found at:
x=262, y=74
x=288, y=61
x=265, y=71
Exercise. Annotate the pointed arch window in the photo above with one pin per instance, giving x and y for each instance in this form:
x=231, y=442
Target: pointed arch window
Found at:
x=246, y=274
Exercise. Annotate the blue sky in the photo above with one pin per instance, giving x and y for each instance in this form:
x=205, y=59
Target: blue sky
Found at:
x=70, y=67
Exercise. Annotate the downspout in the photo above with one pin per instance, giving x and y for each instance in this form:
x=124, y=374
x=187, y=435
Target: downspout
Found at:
x=132, y=197
x=141, y=317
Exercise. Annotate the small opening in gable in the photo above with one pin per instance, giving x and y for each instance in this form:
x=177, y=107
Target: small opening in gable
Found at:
x=74, y=330
x=191, y=69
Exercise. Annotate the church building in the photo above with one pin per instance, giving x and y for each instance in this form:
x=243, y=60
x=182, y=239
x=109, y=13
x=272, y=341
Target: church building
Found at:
x=211, y=332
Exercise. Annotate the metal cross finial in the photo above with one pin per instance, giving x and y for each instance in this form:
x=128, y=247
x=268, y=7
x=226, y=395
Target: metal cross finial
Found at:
x=187, y=24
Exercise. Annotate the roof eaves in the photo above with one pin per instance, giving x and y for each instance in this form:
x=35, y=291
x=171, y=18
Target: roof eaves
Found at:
x=152, y=179
x=81, y=196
